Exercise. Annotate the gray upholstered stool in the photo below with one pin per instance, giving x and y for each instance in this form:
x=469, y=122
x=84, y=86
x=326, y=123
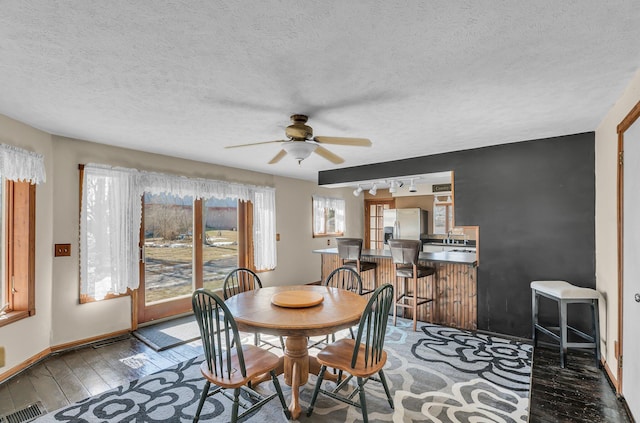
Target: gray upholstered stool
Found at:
x=565, y=293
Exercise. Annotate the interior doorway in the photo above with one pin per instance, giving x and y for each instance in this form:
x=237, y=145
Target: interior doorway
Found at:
x=373, y=223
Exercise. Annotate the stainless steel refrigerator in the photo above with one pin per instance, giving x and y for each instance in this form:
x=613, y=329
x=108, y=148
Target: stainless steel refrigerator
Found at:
x=404, y=223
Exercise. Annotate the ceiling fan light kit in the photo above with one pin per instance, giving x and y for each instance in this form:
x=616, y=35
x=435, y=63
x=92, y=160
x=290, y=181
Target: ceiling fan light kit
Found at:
x=300, y=150
x=301, y=142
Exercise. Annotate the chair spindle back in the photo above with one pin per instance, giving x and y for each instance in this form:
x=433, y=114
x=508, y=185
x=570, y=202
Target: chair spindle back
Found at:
x=373, y=326
x=240, y=280
x=219, y=333
x=345, y=278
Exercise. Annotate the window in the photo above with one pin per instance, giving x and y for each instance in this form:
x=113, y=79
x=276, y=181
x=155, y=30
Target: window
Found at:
x=20, y=169
x=328, y=216
x=442, y=215
x=111, y=217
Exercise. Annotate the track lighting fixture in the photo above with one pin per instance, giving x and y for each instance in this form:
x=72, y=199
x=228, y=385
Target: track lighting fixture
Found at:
x=357, y=191
x=412, y=187
x=373, y=190
x=392, y=187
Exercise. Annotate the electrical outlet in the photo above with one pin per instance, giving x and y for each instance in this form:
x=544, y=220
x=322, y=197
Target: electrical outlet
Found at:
x=62, y=250
x=1, y=356
x=328, y=242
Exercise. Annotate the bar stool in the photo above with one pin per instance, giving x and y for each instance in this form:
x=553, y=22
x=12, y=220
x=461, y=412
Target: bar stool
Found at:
x=565, y=293
x=350, y=252
x=405, y=257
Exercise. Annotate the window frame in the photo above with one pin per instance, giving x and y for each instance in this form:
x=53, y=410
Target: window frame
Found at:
x=19, y=272
x=448, y=213
x=325, y=218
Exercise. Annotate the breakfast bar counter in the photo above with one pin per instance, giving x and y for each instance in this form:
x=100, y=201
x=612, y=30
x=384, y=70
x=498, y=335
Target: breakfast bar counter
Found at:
x=455, y=303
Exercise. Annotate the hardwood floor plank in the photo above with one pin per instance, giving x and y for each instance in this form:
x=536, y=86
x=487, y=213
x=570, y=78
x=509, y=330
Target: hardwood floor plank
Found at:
x=134, y=359
x=107, y=372
x=22, y=391
x=90, y=379
x=48, y=390
x=578, y=393
x=6, y=403
x=69, y=383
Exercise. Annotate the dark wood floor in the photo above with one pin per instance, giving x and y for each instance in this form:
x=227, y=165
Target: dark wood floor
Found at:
x=579, y=393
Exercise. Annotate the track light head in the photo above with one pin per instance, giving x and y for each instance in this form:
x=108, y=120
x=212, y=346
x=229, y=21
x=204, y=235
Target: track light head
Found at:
x=357, y=191
x=373, y=190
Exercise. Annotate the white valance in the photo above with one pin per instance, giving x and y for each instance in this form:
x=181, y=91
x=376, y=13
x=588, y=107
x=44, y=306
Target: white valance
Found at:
x=17, y=164
x=111, y=216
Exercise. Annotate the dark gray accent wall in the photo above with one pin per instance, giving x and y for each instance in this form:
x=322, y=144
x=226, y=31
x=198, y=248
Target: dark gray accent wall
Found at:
x=534, y=202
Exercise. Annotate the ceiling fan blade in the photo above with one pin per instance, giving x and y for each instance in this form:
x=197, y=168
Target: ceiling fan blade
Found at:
x=333, y=158
x=254, y=143
x=278, y=157
x=356, y=142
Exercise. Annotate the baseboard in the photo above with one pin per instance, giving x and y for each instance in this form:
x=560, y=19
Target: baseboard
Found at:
x=613, y=380
x=24, y=365
x=15, y=370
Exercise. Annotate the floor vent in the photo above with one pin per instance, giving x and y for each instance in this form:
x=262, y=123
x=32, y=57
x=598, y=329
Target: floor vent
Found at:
x=27, y=414
x=109, y=341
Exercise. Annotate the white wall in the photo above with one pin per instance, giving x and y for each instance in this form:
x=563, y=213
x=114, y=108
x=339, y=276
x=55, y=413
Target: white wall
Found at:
x=27, y=337
x=60, y=318
x=606, y=216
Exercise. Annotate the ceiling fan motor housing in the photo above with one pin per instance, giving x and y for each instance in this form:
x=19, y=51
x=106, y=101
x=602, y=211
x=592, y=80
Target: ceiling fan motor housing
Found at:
x=298, y=130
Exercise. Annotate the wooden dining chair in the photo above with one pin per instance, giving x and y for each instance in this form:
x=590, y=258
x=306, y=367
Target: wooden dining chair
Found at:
x=240, y=280
x=228, y=364
x=345, y=278
x=362, y=357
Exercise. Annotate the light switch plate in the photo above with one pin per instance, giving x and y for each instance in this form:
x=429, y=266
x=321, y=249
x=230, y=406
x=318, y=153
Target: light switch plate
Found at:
x=1, y=356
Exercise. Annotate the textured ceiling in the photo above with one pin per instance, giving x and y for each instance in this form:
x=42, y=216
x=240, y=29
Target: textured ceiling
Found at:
x=186, y=78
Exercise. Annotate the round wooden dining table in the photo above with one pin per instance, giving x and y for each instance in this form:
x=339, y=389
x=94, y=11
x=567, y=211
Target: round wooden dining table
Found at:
x=304, y=310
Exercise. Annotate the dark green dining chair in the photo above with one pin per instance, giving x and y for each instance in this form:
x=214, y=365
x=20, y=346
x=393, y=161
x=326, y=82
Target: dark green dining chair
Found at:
x=228, y=364
x=344, y=278
x=240, y=280
x=362, y=357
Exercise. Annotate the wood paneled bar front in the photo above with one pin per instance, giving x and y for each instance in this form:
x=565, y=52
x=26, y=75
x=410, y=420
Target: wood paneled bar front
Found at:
x=455, y=292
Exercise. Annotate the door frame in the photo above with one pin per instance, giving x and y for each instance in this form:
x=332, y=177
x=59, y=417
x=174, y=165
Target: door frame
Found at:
x=626, y=123
x=367, y=218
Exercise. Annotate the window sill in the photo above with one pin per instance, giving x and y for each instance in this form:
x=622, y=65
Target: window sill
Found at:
x=328, y=235
x=13, y=316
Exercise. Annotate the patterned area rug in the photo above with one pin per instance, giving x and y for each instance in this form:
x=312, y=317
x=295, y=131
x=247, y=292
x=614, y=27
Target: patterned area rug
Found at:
x=436, y=374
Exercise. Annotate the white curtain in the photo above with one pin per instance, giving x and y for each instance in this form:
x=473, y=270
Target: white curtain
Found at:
x=264, y=229
x=17, y=164
x=111, y=215
x=322, y=204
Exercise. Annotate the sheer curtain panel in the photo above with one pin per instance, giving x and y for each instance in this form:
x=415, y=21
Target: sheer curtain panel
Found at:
x=110, y=218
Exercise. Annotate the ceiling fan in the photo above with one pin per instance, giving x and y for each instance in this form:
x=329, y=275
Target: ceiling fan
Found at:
x=301, y=142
